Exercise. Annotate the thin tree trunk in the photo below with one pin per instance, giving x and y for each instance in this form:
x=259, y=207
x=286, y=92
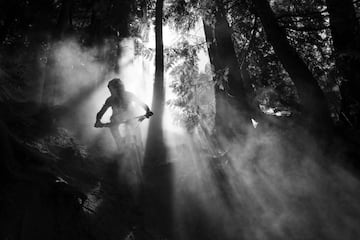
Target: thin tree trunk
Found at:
x=50, y=91
x=345, y=33
x=343, y=24
x=155, y=138
x=157, y=172
x=64, y=21
x=312, y=98
x=95, y=28
x=8, y=20
x=96, y=24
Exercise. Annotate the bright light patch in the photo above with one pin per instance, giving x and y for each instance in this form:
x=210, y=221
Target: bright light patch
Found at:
x=254, y=123
x=260, y=185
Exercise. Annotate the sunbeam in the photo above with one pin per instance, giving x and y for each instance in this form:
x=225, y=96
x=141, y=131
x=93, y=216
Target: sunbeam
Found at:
x=262, y=184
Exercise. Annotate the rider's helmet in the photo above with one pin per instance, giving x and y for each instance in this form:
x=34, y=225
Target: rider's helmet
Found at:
x=116, y=86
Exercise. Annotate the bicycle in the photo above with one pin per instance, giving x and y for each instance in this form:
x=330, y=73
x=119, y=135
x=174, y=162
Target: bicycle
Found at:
x=130, y=145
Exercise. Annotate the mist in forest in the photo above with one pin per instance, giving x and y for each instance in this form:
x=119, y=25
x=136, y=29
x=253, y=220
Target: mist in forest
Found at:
x=266, y=183
x=235, y=157
x=81, y=86
x=272, y=184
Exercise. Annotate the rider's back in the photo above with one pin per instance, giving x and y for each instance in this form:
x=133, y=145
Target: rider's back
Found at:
x=121, y=106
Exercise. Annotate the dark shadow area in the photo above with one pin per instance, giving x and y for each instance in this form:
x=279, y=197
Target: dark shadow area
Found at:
x=218, y=168
x=157, y=195
x=263, y=97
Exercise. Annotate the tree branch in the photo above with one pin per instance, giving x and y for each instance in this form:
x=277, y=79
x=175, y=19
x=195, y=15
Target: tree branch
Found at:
x=304, y=14
x=250, y=44
x=289, y=21
x=307, y=28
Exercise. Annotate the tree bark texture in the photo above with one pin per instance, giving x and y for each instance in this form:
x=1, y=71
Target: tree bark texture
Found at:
x=346, y=41
x=313, y=101
x=155, y=128
x=232, y=105
x=157, y=172
x=64, y=22
x=50, y=80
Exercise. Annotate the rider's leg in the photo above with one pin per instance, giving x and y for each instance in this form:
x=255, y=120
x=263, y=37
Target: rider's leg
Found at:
x=117, y=137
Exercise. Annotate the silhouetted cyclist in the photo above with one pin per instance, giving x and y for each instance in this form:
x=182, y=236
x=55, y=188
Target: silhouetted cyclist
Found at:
x=120, y=101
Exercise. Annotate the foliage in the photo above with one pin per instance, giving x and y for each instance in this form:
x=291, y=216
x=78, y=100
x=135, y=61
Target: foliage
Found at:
x=251, y=47
x=189, y=85
x=31, y=30
x=27, y=28
x=257, y=58
x=181, y=61
x=307, y=26
x=182, y=15
x=185, y=75
x=306, y=23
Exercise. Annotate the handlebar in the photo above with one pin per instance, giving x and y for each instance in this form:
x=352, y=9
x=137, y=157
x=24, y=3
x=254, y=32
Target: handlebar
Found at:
x=110, y=124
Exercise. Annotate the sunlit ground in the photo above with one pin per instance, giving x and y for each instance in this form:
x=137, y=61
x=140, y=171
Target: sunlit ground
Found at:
x=271, y=185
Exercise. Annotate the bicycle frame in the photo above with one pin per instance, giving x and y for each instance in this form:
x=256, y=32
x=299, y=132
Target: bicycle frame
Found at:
x=127, y=121
x=129, y=146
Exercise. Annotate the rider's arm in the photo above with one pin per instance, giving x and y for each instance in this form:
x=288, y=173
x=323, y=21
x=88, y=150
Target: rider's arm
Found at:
x=103, y=110
x=139, y=102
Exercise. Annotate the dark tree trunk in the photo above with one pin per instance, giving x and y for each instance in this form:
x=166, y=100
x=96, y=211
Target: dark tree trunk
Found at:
x=64, y=22
x=232, y=107
x=344, y=25
x=220, y=96
x=95, y=28
x=314, y=104
x=8, y=21
x=345, y=33
x=157, y=172
x=159, y=91
x=50, y=81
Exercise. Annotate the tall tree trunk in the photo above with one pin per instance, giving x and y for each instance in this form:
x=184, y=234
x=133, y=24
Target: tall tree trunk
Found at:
x=346, y=40
x=8, y=19
x=157, y=172
x=95, y=28
x=314, y=104
x=158, y=90
x=232, y=105
x=64, y=21
x=50, y=81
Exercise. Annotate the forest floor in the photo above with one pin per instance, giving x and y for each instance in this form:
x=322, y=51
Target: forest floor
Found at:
x=52, y=187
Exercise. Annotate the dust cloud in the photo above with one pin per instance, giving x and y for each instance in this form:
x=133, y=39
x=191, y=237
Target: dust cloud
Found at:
x=269, y=183
x=81, y=76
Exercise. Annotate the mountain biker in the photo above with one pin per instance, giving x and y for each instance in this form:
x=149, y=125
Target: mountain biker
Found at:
x=120, y=101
